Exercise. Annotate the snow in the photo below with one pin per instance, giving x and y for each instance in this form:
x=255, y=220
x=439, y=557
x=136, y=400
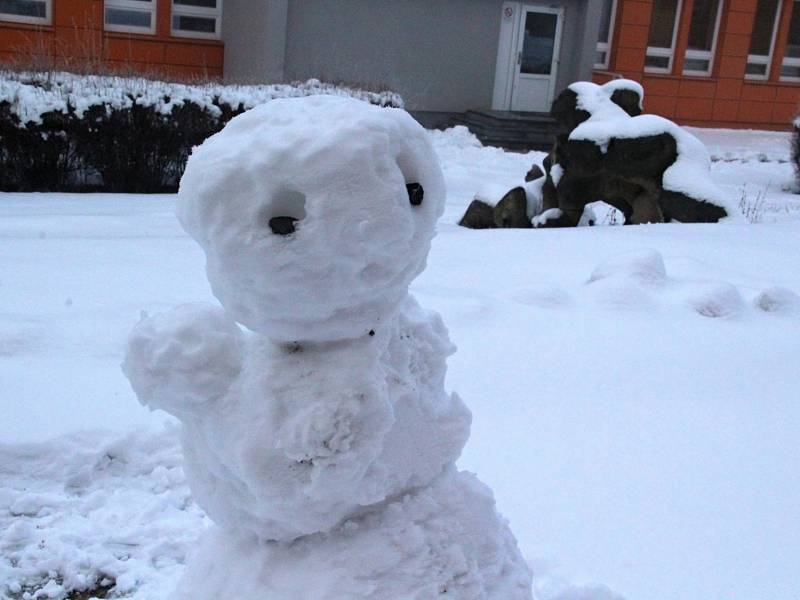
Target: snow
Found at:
x=324, y=434
x=448, y=527
x=358, y=242
x=638, y=447
x=31, y=95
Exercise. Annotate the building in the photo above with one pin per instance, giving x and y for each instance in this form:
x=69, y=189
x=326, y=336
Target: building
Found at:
x=732, y=63
x=173, y=38
x=726, y=63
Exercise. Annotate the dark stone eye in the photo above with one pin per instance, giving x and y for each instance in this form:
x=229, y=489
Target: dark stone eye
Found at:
x=282, y=225
x=415, y=193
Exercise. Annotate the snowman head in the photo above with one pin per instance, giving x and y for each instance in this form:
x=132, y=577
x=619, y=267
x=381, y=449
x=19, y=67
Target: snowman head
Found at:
x=315, y=214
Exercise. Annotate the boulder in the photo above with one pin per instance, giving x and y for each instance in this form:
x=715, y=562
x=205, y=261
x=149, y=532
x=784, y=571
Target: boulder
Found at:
x=479, y=215
x=534, y=174
x=512, y=210
x=605, y=149
x=510, y=213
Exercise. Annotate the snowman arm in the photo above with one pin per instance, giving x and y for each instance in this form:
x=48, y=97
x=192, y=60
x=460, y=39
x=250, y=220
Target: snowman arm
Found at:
x=182, y=360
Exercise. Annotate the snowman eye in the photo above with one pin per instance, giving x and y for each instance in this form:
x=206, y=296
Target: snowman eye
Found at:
x=284, y=210
x=415, y=193
x=282, y=225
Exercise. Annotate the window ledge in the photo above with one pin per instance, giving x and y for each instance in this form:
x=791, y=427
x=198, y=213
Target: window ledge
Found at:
x=27, y=26
x=148, y=37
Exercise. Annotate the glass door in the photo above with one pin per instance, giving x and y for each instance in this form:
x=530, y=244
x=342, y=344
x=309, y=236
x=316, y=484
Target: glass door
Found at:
x=537, y=58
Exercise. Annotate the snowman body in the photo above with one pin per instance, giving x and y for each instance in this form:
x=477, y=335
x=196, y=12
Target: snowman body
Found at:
x=321, y=440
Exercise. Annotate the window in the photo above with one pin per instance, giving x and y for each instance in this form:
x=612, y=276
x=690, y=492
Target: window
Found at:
x=607, y=15
x=196, y=18
x=790, y=69
x=762, y=39
x=26, y=11
x=663, y=31
x=132, y=16
x=703, y=32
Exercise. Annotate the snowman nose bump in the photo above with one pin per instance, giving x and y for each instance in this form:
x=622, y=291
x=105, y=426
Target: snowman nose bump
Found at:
x=415, y=193
x=282, y=225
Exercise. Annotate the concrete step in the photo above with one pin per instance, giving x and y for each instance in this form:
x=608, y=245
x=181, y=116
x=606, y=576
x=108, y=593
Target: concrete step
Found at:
x=509, y=130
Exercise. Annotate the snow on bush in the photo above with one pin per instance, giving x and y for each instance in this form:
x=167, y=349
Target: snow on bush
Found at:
x=31, y=95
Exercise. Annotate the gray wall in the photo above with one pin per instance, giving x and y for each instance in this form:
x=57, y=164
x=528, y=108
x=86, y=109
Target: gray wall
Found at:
x=254, y=32
x=440, y=55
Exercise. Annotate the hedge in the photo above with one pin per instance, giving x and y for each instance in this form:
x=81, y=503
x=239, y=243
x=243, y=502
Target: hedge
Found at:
x=63, y=132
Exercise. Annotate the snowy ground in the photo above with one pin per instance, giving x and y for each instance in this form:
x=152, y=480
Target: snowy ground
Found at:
x=640, y=434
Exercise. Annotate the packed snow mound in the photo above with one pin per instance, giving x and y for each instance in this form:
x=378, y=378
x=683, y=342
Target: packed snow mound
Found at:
x=778, y=300
x=442, y=541
x=716, y=300
x=637, y=280
x=643, y=265
x=183, y=358
x=339, y=176
x=307, y=436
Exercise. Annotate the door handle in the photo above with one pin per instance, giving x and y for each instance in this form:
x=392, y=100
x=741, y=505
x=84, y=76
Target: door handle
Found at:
x=519, y=57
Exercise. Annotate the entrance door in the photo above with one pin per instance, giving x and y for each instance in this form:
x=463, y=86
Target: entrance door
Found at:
x=538, y=46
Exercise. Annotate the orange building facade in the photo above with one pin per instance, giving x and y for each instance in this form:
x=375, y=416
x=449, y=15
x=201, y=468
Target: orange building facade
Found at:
x=172, y=38
x=720, y=63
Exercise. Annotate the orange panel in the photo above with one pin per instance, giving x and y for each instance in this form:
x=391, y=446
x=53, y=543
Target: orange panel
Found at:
x=725, y=110
x=636, y=13
x=600, y=78
x=661, y=86
x=660, y=105
x=633, y=36
x=24, y=40
x=732, y=67
x=739, y=22
x=181, y=53
x=783, y=113
x=134, y=50
x=729, y=89
x=629, y=59
x=748, y=6
x=698, y=109
x=691, y=88
x=786, y=93
x=77, y=13
x=755, y=112
x=760, y=92
x=736, y=44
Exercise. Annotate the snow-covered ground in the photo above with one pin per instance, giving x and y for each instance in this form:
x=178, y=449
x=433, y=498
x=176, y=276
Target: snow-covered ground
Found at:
x=640, y=431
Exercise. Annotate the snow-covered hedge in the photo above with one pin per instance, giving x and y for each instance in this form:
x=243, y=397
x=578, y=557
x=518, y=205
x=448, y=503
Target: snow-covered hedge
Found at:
x=796, y=149
x=65, y=132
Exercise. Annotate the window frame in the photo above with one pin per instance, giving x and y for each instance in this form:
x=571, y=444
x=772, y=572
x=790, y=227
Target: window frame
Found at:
x=605, y=47
x=135, y=6
x=789, y=61
x=708, y=55
x=760, y=59
x=658, y=52
x=196, y=11
x=46, y=20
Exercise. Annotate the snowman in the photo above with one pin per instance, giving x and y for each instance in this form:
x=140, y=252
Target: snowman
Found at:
x=317, y=433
